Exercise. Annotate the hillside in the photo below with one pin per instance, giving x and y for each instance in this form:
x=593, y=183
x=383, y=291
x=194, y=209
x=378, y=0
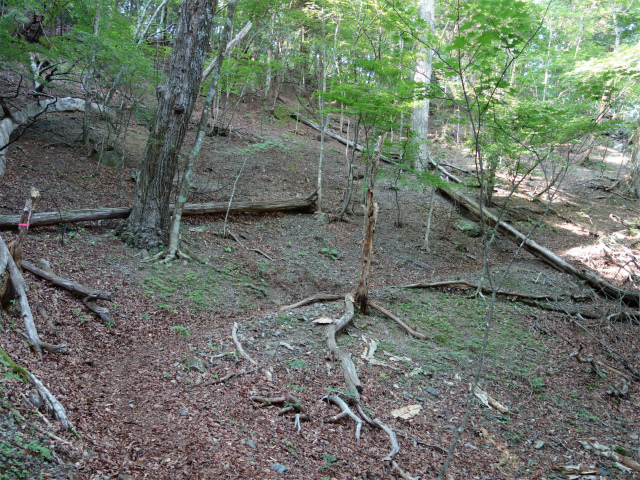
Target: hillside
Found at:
x=162, y=392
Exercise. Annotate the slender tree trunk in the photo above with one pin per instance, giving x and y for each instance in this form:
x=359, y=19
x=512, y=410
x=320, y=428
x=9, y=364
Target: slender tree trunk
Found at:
x=88, y=81
x=324, y=118
x=148, y=224
x=630, y=184
x=420, y=118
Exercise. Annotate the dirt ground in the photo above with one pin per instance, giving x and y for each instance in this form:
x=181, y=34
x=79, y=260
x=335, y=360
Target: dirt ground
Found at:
x=145, y=393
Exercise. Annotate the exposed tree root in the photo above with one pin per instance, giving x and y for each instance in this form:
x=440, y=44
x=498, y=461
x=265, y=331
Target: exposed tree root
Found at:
x=396, y=319
x=346, y=412
x=291, y=404
x=402, y=473
x=57, y=407
x=320, y=297
x=354, y=387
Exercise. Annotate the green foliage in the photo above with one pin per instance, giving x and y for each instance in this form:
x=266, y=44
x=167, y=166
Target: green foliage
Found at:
x=184, y=331
x=10, y=370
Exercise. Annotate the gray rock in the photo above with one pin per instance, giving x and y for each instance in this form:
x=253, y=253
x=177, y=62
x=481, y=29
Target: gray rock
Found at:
x=469, y=228
x=432, y=391
x=109, y=158
x=278, y=467
x=144, y=255
x=250, y=443
x=184, y=411
x=195, y=364
x=36, y=400
x=538, y=445
x=44, y=265
x=271, y=353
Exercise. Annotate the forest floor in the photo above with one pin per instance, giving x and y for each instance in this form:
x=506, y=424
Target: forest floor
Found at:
x=143, y=390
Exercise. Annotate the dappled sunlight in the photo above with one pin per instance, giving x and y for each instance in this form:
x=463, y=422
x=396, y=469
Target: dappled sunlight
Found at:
x=574, y=229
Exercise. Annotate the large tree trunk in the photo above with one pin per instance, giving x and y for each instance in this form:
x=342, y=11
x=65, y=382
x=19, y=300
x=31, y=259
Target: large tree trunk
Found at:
x=420, y=118
x=630, y=184
x=148, y=223
x=214, y=69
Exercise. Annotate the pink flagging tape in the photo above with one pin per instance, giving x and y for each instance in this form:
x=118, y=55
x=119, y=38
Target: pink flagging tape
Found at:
x=23, y=225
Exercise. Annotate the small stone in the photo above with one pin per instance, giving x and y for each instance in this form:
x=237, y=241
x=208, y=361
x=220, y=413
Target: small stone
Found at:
x=278, y=467
x=251, y=459
x=195, y=364
x=633, y=436
x=184, y=411
x=538, y=445
x=271, y=353
x=144, y=255
x=250, y=443
x=157, y=405
x=432, y=391
x=469, y=228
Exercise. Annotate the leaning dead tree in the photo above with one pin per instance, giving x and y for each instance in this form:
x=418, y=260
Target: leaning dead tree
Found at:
x=13, y=119
x=304, y=205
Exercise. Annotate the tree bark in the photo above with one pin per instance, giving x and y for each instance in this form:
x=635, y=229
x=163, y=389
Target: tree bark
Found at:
x=185, y=183
x=420, y=117
x=148, y=224
x=307, y=205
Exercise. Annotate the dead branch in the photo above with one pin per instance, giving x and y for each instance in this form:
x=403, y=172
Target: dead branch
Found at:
x=230, y=376
x=247, y=248
x=490, y=400
x=346, y=412
x=291, y=404
x=57, y=407
x=505, y=293
x=70, y=285
x=19, y=286
x=319, y=297
x=396, y=319
x=234, y=335
x=7, y=293
x=600, y=285
x=305, y=205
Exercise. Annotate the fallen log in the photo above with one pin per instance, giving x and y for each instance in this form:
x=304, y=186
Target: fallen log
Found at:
x=599, y=284
x=307, y=205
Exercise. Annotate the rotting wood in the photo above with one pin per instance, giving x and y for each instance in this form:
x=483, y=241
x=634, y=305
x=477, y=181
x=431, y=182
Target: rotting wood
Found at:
x=362, y=291
x=306, y=204
x=19, y=286
x=492, y=401
x=396, y=319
